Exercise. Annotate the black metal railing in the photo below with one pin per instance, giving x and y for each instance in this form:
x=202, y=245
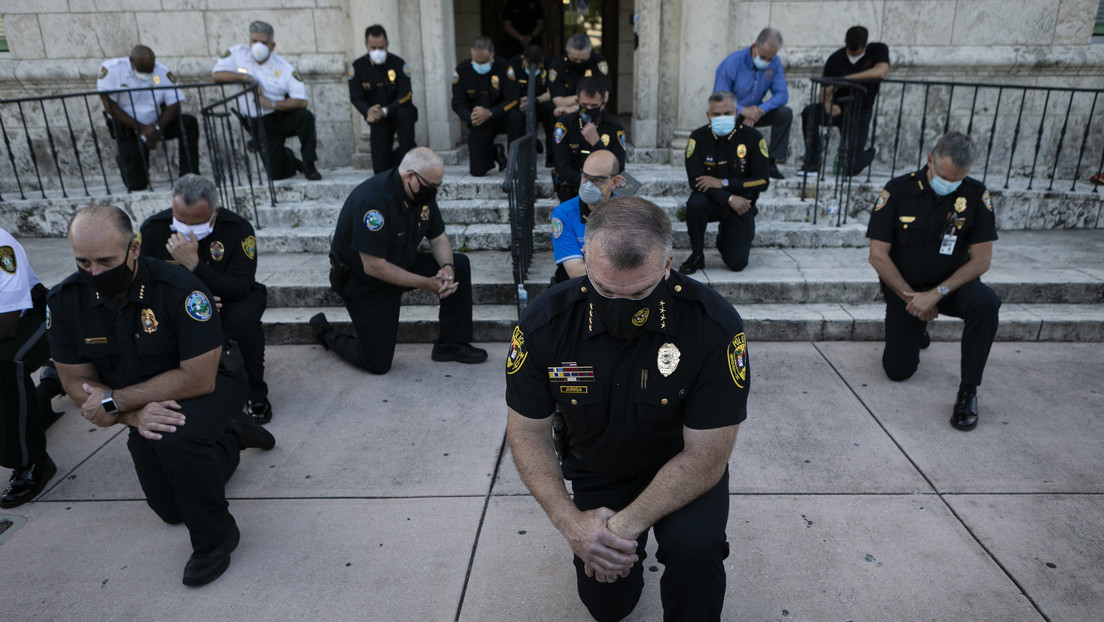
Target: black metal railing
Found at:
x=520, y=185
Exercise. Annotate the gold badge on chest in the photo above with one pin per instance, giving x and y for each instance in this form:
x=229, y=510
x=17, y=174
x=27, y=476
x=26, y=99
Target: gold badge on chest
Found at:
x=960, y=204
x=668, y=359
x=149, y=321
x=741, y=151
x=425, y=212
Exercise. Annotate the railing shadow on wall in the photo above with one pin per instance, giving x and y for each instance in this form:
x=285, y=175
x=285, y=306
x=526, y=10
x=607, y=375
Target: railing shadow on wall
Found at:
x=58, y=145
x=1026, y=135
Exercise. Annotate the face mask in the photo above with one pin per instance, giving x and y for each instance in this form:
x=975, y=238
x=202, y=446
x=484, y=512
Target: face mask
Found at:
x=481, y=68
x=587, y=115
x=590, y=193
x=723, y=125
x=424, y=195
x=259, y=51
x=760, y=63
x=200, y=231
x=578, y=66
x=377, y=56
x=144, y=76
x=942, y=187
x=532, y=71
x=855, y=59
x=113, y=282
x=625, y=318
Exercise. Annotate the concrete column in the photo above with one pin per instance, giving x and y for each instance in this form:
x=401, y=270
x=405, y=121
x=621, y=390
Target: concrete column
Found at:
x=438, y=60
x=701, y=48
x=647, y=78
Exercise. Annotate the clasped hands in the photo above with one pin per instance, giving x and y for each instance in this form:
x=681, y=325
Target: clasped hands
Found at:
x=151, y=419
x=605, y=554
x=443, y=283
x=924, y=306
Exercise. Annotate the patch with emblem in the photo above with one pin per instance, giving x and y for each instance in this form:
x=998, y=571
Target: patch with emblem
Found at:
x=225, y=54
x=217, y=250
x=373, y=220
x=668, y=359
x=603, y=67
x=7, y=259
x=640, y=317
x=406, y=70
x=425, y=212
x=352, y=72
x=157, y=80
x=960, y=204
x=882, y=198
x=455, y=77
x=49, y=318
x=763, y=147
x=559, y=132
x=295, y=74
x=741, y=151
x=988, y=202
x=737, y=360
x=571, y=372
x=557, y=228
x=605, y=140
x=391, y=75
x=171, y=77
x=516, y=358
x=103, y=72
x=510, y=73
x=149, y=321
x=198, y=306
x=249, y=245
x=494, y=82
x=551, y=75
x=621, y=139
x=690, y=147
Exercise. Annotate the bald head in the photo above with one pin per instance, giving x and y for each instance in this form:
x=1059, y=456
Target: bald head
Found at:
x=421, y=167
x=143, y=58
x=102, y=237
x=601, y=164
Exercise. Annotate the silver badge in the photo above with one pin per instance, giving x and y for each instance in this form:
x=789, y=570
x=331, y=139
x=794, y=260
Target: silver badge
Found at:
x=668, y=359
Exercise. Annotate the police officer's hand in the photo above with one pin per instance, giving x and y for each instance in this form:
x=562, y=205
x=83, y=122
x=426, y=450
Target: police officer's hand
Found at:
x=605, y=554
x=157, y=417
x=375, y=113
x=562, y=110
x=184, y=248
x=150, y=133
x=751, y=114
x=619, y=181
x=446, y=282
x=590, y=133
x=739, y=204
x=265, y=102
x=922, y=304
x=707, y=182
x=92, y=408
x=218, y=302
x=480, y=115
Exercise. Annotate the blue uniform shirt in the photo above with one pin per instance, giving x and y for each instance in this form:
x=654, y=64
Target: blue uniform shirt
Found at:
x=568, y=229
x=736, y=73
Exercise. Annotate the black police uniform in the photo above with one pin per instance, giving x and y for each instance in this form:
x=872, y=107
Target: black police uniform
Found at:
x=916, y=222
x=388, y=85
x=571, y=149
x=564, y=75
x=523, y=15
x=167, y=317
x=740, y=159
x=496, y=91
x=378, y=219
x=228, y=267
x=625, y=404
x=544, y=110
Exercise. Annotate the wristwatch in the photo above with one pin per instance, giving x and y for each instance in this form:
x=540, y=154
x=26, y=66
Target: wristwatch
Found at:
x=108, y=403
x=724, y=183
x=943, y=290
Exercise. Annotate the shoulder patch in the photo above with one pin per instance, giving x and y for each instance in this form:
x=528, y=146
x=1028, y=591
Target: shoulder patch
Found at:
x=7, y=259
x=295, y=74
x=352, y=72
x=621, y=139
x=516, y=358
x=551, y=75
x=373, y=220
x=737, y=360
x=249, y=245
x=225, y=54
x=603, y=67
x=49, y=318
x=510, y=73
x=455, y=76
x=406, y=70
x=171, y=77
x=557, y=228
x=690, y=144
x=985, y=199
x=103, y=73
x=559, y=132
x=882, y=198
x=763, y=147
x=198, y=306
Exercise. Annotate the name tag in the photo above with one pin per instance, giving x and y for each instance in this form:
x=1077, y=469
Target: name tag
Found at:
x=95, y=341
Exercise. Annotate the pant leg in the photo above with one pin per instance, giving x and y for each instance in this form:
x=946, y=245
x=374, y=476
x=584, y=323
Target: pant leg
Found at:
x=860, y=156
x=374, y=312
x=455, y=314
x=698, y=211
x=779, y=120
x=545, y=118
x=185, y=130
x=404, y=119
x=279, y=166
x=22, y=435
x=481, y=149
x=901, y=356
x=737, y=231
x=380, y=139
x=300, y=123
x=978, y=305
x=813, y=118
x=241, y=321
x=513, y=124
x=133, y=159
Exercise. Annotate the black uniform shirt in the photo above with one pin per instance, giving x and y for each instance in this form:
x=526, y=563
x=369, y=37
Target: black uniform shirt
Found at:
x=571, y=149
x=838, y=65
x=563, y=75
x=740, y=158
x=497, y=90
x=517, y=63
x=625, y=403
x=167, y=317
x=387, y=85
x=914, y=219
x=378, y=219
x=227, y=257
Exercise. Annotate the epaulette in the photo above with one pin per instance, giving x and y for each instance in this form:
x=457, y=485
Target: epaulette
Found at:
x=715, y=306
x=555, y=301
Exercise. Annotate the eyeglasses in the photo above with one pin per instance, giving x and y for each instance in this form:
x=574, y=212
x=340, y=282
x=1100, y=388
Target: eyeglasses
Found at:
x=422, y=180
x=597, y=180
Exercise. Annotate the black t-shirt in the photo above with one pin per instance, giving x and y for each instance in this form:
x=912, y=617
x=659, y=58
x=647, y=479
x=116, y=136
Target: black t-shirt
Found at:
x=626, y=402
x=838, y=65
x=914, y=220
x=740, y=158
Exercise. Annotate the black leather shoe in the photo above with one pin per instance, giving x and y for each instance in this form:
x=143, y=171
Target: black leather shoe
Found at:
x=260, y=410
x=965, y=415
x=459, y=352
x=310, y=172
x=500, y=157
x=250, y=433
x=202, y=569
x=925, y=340
x=320, y=326
x=27, y=481
x=692, y=264
x=774, y=172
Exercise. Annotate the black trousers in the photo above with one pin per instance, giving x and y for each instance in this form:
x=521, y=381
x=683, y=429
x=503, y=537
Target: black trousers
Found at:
x=184, y=474
x=481, y=150
x=374, y=311
x=278, y=127
x=974, y=302
x=736, y=231
x=852, y=138
x=692, y=548
x=779, y=120
x=548, y=122
x=133, y=157
x=22, y=433
x=241, y=321
x=382, y=137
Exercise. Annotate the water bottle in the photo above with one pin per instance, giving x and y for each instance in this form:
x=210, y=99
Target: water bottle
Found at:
x=522, y=297
x=833, y=207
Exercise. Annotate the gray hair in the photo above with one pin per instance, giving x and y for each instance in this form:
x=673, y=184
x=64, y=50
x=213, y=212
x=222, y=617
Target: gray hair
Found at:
x=192, y=189
x=722, y=96
x=631, y=230
x=959, y=147
x=112, y=214
x=769, y=34
x=579, y=42
x=419, y=159
x=264, y=28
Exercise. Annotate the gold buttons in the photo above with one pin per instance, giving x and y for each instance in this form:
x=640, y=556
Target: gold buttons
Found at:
x=678, y=288
x=663, y=401
x=574, y=402
x=583, y=289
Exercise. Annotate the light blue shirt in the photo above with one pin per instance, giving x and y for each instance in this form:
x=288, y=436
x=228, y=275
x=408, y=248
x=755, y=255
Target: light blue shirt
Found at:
x=737, y=74
x=568, y=230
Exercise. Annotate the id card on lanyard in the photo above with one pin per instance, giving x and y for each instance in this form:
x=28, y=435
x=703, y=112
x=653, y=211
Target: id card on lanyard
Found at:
x=950, y=234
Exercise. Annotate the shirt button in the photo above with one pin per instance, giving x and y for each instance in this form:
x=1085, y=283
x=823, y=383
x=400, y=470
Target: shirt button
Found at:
x=583, y=289
x=663, y=401
x=678, y=288
x=574, y=402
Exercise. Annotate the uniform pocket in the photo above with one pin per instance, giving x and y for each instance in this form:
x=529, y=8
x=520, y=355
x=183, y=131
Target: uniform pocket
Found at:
x=585, y=411
x=659, y=409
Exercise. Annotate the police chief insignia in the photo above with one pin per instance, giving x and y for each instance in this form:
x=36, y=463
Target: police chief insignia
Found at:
x=217, y=250
x=7, y=259
x=737, y=360
x=668, y=359
x=987, y=201
x=198, y=306
x=640, y=317
x=741, y=151
x=149, y=321
x=882, y=198
x=557, y=227
x=559, y=132
x=763, y=147
x=249, y=245
x=517, y=355
x=690, y=147
x=373, y=220
x=960, y=204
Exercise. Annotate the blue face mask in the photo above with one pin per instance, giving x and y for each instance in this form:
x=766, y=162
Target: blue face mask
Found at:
x=723, y=126
x=481, y=68
x=942, y=187
x=760, y=63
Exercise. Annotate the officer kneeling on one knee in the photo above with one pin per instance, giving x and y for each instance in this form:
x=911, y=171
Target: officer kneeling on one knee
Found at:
x=931, y=238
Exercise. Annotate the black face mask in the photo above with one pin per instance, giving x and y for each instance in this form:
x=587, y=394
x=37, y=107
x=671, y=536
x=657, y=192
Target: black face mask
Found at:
x=425, y=193
x=587, y=115
x=110, y=283
x=625, y=318
x=578, y=66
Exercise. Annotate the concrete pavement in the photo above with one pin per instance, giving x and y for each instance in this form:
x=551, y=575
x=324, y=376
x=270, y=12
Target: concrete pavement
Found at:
x=394, y=498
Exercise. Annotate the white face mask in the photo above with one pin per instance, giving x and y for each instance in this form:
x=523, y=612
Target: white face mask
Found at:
x=200, y=231
x=144, y=76
x=259, y=51
x=377, y=56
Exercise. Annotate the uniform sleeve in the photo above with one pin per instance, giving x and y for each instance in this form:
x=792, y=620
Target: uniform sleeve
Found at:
x=63, y=347
x=509, y=95
x=758, y=177
x=436, y=222
x=561, y=153
x=15, y=289
x=723, y=78
x=153, y=238
x=557, y=87
x=241, y=269
x=616, y=145
x=526, y=379
x=882, y=217
x=985, y=221
x=168, y=97
x=565, y=244
x=460, y=104
x=880, y=53
x=106, y=80
x=370, y=230
x=692, y=160
x=404, y=92
x=196, y=323
x=226, y=62
x=357, y=94
x=719, y=396
x=780, y=93
x=296, y=88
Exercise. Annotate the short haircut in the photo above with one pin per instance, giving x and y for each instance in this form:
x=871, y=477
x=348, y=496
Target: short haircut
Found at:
x=375, y=30
x=579, y=42
x=110, y=213
x=957, y=146
x=593, y=86
x=193, y=188
x=419, y=159
x=631, y=230
x=769, y=34
x=483, y=42
x=264, y=28
x=856, y=38
x=722, y=96
x=534, y=56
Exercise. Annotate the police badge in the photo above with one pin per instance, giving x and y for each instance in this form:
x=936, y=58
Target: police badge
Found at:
x=668, y=359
